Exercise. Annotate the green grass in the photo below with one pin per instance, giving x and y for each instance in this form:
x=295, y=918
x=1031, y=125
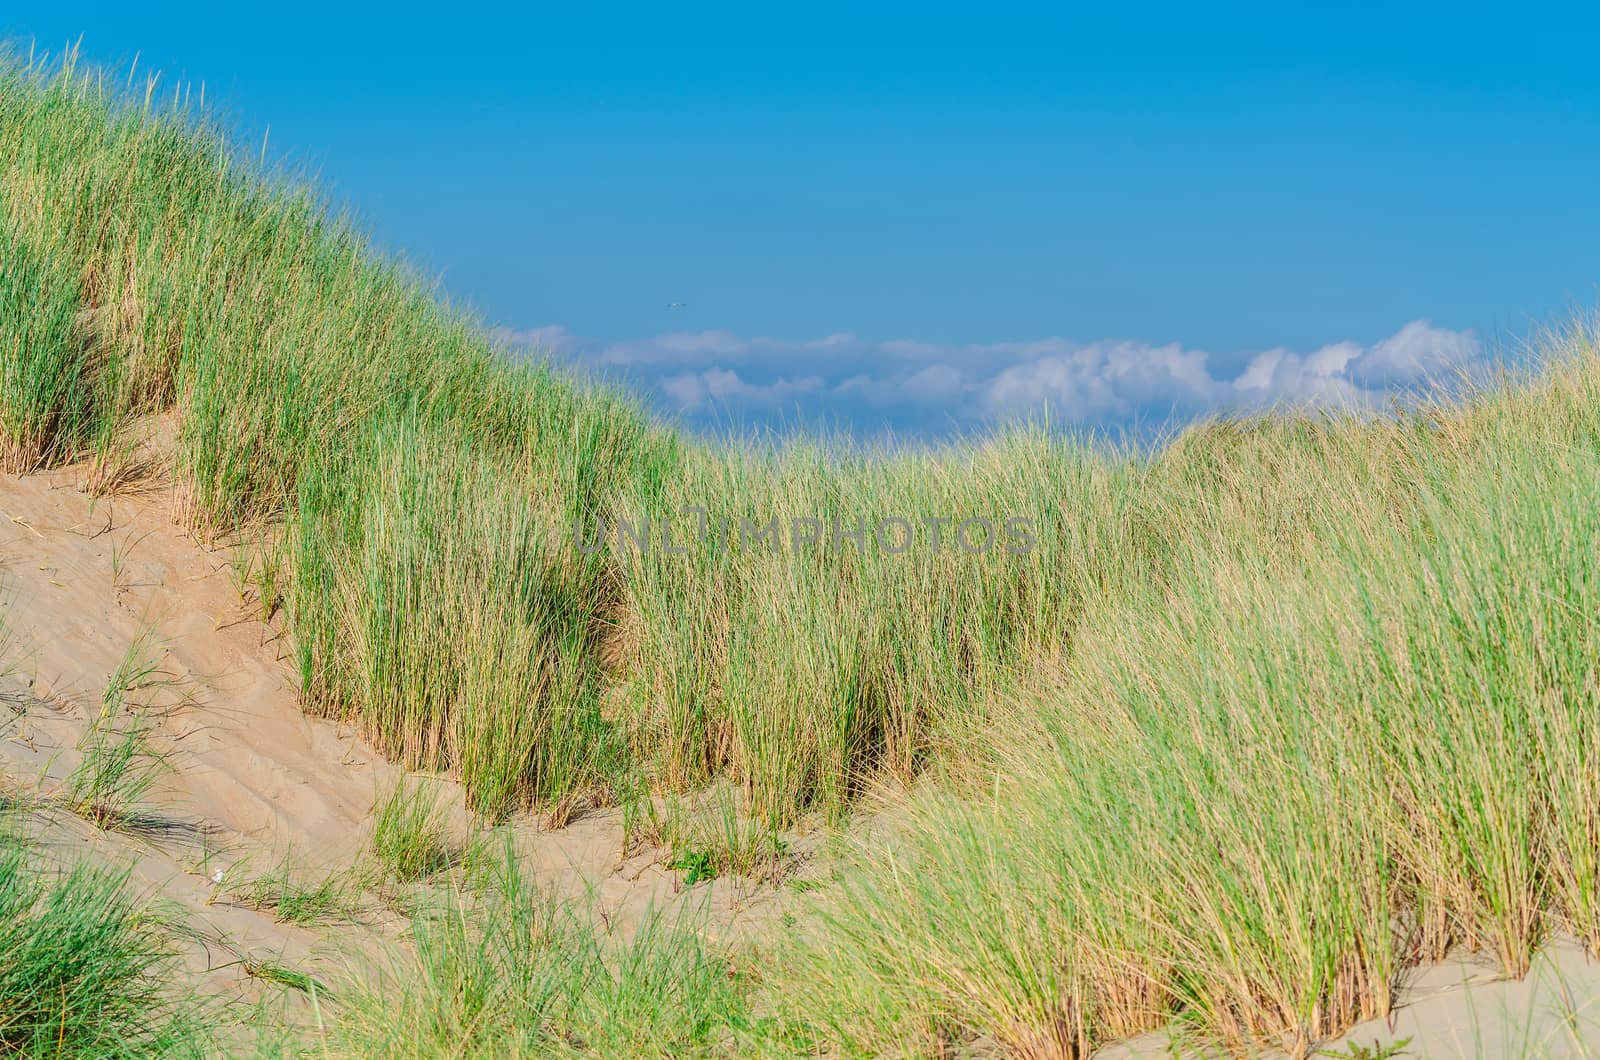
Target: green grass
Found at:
x=87, y=969
x=44, y=359
x=294, y=895
x=410, y=831
x=118, y=765
x=138, y=669
x=116, y=772
x=269, y=971
x=462, y=638
x=711, y=836
x=509, y=970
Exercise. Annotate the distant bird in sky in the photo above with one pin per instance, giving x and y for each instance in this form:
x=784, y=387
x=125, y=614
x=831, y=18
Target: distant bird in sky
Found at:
x=677, y=305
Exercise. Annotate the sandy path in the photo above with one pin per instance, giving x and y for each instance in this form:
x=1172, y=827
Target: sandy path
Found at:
x=87, y=581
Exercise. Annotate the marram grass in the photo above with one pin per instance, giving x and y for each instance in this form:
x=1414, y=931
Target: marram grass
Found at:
x=422, y=488
x=44, y=359
x=1262, y=788
x=1270, y=715
x=88, y=968
x=506, y=969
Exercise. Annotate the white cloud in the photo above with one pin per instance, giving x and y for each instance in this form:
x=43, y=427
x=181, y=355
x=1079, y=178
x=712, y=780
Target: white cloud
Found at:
x=723, y=389
x=1418, y=351
x=917, y=384
x=554, y=339
x=1279, y=377
x=1103, y=381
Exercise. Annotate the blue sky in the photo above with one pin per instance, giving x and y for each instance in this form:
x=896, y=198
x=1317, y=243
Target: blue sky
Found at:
x=927, y=217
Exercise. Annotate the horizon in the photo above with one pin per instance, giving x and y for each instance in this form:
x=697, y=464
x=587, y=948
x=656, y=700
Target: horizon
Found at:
x=906, y=240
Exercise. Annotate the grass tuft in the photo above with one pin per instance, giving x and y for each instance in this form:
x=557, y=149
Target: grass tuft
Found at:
x=117, y=770
x=294, y=896
x=410, y=831
x=87, y=969
x=511, y=971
